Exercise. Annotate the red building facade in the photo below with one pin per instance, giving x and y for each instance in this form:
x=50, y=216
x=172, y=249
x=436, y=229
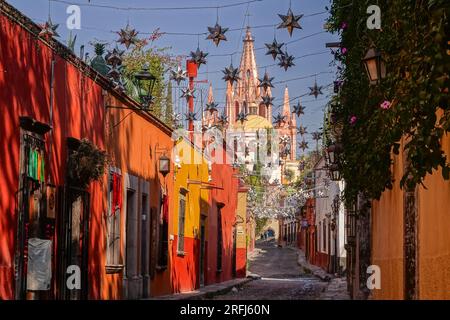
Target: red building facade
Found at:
x=48, y=105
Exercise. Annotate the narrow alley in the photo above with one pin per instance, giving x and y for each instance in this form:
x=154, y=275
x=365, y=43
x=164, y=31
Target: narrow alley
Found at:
x=281, y=278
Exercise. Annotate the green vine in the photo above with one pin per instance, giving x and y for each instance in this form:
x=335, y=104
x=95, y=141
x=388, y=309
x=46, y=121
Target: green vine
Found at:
x=413, y=42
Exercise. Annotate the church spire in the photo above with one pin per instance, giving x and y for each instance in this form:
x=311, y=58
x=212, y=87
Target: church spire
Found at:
x=286, y=106
x=247, y=87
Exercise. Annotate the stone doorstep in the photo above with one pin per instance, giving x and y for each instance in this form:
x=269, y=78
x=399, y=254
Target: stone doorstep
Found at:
x=207, y=291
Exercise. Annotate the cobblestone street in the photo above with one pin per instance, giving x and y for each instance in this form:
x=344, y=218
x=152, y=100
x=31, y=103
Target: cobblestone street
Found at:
x=283, y=279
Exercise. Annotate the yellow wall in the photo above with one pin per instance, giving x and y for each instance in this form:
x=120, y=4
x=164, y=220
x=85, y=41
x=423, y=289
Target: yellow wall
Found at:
x=197, y=197
x=387, y=237
x=433, y=243
x=434, y=235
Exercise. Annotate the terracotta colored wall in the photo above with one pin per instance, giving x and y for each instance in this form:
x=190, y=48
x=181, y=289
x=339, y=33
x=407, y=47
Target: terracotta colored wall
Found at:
x=185, y=268
x=25, y=68
x=434, y=235
x=224, y=193
x=135, y=142
x=387, y=238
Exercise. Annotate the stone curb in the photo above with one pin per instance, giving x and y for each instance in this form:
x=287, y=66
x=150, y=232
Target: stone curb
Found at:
x=205, y=292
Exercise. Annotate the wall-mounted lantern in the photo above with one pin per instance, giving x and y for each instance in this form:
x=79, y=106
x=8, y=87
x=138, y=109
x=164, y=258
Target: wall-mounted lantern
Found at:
x=164, y=165
x=374, y=65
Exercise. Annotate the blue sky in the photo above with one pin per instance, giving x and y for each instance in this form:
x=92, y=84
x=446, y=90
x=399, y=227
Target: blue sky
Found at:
x=100, y=24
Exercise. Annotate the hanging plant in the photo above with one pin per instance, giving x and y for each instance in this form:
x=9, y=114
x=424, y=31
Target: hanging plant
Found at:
x=86, y=164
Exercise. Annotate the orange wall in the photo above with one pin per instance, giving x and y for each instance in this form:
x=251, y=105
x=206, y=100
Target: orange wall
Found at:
x=135, y=143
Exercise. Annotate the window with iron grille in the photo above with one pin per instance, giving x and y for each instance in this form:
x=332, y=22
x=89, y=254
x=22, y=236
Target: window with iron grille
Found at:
x=163, y=243
x=219, y=238
x=181, y=221
x=113, y=220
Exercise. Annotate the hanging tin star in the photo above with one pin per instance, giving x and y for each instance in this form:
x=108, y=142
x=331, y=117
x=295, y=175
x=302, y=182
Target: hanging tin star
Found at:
x=316, y=135
x=286, y=61
x=176, y=120
x=316, y=90
x=49, y=29
x=199, y=57
x=114, y=57
x=302, y=130
x=242, y=116
x=187, y=94
x=191, y=116
x=274, y=48
x=303, y=145
x=290, y=21
x=279, y=119
x=268, y=100
x=211, y=107
x=217, y=34
x=299, y=109
x=128, y=36
x=223, y=119
x=231, y=74
x=114, y=72
x=266, y=82
x=178, y=75
x=284, y=140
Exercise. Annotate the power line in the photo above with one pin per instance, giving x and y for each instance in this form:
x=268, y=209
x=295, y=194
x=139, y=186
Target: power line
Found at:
x=102, y=6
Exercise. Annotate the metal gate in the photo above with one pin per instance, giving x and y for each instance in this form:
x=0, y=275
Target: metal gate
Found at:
x=73, y=236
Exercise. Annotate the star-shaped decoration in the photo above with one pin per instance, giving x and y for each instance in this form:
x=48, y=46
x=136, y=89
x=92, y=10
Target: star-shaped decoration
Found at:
x=114, y=72
x=316, y=135
x=274, y=48
x=211, y=107
x=178, y=75
x=279, y=119
x=302, y=130
x=290, y=21
x=217, y=34
x=303, y=145
x=299, y=109
x=284, y=139
x=49, y=29
x=128, y=36
x=222, y=119
x=286, y=61
x=301, y=165
x=266, y=82
x=114, y=57
x=268, y=100
x=199, y=57
x=231, y=74
x=242, y=116
x=176, y=120
x=315, y=90
x=187, y=94
x=191, y=116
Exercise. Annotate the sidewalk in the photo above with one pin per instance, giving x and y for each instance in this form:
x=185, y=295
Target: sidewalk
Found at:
x=310, y=268
x=206, y=291
x=337, y=287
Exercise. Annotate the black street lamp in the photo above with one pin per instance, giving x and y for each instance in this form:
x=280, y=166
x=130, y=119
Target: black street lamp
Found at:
x=332, y=151
x=335, y=174
x=374, y=65
x=145, y=82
